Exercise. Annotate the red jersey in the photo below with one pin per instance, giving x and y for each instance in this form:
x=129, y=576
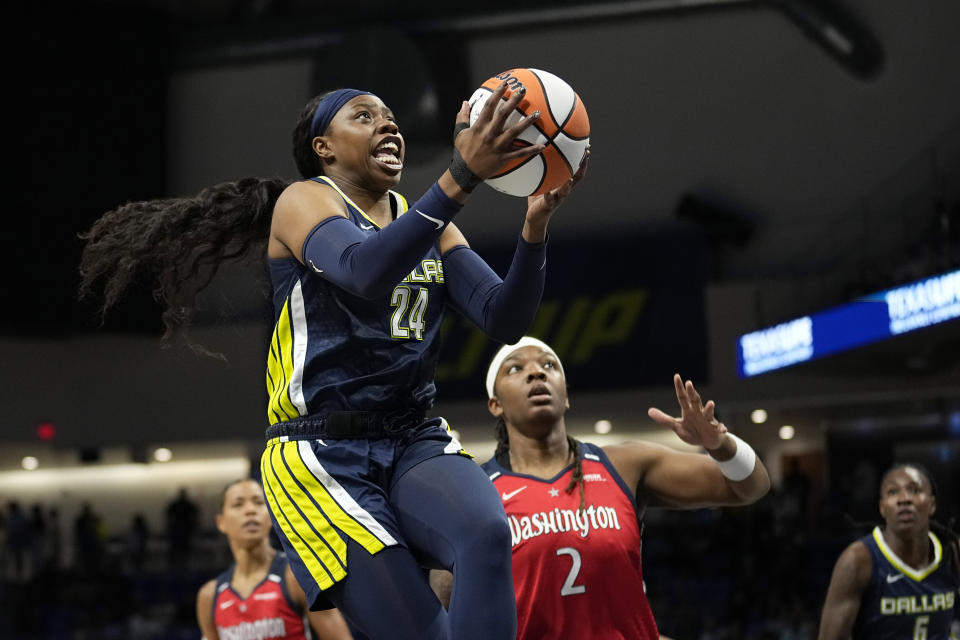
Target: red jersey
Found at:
x=577, y=574
x=268, y=612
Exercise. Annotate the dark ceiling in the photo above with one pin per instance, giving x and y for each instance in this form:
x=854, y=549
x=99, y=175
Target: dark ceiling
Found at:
x=87, y=117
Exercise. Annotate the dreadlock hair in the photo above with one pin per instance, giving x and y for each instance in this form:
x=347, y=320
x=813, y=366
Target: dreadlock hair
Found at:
x=502, y=455
x=169, y=241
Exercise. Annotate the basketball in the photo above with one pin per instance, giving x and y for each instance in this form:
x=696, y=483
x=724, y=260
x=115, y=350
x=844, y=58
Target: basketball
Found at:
x=563, y=127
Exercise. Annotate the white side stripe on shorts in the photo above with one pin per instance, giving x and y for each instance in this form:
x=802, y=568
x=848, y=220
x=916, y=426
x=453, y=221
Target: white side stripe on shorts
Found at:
x=346, y=502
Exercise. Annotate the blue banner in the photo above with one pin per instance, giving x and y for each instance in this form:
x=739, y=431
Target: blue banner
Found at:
x=867, y=319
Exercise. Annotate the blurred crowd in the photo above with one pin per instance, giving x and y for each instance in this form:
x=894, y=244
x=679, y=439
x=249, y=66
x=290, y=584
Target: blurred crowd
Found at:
x=79, y=580
x=750, y=573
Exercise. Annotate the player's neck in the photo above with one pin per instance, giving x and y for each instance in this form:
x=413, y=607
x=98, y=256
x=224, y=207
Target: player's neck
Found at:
x=376, y=204
x=252, y=561
x=540, y=457
x=911, y=547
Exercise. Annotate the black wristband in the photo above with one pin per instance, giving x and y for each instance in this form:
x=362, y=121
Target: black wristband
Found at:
x=465, y=179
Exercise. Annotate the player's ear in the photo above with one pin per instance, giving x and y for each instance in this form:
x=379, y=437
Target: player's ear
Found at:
x=220, y=526
x=494, y=407
x=321, y=147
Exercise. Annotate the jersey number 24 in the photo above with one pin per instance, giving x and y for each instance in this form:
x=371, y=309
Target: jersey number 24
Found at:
x=400, y=300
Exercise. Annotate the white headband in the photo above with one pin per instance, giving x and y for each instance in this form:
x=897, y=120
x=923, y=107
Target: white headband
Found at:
x=507, y=350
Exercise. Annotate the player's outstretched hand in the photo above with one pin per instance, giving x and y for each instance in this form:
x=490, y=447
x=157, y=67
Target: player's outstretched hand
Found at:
x=541, y=208
x=487, y=144
x=697, y=424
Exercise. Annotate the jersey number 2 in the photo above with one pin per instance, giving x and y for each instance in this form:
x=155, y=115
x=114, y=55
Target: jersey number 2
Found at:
x=401, y=300
x=569, y=588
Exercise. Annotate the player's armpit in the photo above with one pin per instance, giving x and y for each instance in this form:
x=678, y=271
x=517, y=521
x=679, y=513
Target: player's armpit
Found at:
x=441, y=581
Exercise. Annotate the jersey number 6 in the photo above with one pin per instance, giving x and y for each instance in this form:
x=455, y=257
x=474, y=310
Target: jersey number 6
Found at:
x=920, y=628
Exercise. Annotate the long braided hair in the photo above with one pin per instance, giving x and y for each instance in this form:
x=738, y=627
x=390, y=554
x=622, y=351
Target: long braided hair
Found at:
x=502, y=455
x=169, y=241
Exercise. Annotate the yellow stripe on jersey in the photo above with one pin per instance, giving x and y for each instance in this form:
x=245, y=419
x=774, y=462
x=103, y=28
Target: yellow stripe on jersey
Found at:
x=312, y=546
x=341, y=509
x=279, y=408
x=288, y=347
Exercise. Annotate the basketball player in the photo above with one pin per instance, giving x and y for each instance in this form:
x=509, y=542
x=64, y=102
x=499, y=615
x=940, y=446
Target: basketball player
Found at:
x=257, y=597
x=901, y=580
x=576, y=510
x=361, y=485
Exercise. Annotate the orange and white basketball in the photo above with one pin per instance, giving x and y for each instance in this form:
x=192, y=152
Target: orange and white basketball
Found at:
x=563, y=126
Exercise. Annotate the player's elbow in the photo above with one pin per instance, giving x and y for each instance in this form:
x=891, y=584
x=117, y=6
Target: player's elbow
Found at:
x=755, y=496
x=369, y=290
x=763, y=483
x=360, y=284
x=757, y=487
x=511, y=336
x=504, y=328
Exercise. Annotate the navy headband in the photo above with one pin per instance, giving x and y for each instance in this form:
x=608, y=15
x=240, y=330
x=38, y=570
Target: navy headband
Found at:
x=329, y=106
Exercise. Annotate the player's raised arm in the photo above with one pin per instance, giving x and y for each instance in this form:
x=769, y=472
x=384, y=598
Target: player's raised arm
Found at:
x=731, y=474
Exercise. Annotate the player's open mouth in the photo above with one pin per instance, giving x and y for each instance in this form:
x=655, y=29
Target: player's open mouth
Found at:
x=387, y=154
x=539, y=392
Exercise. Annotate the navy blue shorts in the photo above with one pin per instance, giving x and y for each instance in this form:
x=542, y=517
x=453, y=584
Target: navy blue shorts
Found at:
x=323, y=491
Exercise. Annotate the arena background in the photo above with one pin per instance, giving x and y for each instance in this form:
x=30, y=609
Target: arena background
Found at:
x=752, y=162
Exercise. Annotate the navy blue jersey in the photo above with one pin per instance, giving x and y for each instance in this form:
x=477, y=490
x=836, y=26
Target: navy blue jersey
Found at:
x=333, y=351
x=903, y=602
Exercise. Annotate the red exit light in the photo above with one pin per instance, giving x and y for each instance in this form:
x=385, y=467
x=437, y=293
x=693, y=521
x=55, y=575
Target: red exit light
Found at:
x=46, y=431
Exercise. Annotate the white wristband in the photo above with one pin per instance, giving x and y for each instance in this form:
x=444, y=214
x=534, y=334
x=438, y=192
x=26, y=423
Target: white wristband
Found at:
x=740, y=466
